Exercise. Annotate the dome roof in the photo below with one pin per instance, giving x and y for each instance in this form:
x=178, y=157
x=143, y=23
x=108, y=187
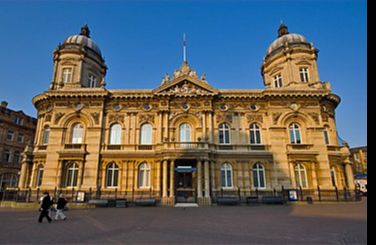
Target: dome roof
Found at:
x=84, y=39
x=284, y=37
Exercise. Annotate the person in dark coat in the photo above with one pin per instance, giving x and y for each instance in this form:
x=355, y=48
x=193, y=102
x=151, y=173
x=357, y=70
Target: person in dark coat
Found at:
x=45, y=208
x=61, y=202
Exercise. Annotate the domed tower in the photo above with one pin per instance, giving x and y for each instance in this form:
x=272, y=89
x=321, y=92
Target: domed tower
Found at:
x=78, y=63
x=290, y=62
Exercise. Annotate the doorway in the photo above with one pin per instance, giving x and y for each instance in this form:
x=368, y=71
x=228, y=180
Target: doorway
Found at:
x=185, y=184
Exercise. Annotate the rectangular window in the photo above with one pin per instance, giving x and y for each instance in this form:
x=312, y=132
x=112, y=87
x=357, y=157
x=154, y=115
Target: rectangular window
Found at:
x=66, y=75
x=304, y=75
x=278, y=81
x=18, y=120
x=326, y=136
x=16, y=158
x=6, y=156
x=20, y=138
x=356, y=157
x=223, y=178
x=10, y=135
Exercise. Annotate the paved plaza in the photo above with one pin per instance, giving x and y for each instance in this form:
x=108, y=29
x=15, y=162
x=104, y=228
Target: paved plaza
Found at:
x=342, y=223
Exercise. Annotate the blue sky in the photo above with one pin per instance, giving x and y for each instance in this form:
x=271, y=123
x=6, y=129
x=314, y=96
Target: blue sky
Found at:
x=227, y=40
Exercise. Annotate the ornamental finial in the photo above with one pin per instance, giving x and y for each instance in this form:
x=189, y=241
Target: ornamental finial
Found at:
x=85, y=31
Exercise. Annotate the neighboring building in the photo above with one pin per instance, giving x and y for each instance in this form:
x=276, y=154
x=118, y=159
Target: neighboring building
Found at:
x=359, y=159
x=185, y=137
x=16, y=131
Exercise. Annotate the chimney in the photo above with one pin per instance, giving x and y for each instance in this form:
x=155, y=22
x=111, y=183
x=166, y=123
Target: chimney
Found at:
x=4, y=104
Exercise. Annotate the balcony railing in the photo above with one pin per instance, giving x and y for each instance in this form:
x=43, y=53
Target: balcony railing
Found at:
x=333, y=148
x=42, y=147
x=75, y=146
x=299, y=147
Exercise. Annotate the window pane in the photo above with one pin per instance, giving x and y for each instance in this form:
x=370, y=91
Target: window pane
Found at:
x=292, y=138
x=297, y=135
x=146, y=134
x=77, y=134
x=46, y=135
x=115, y=136
x=261, y=177
x=223, y=178
x=229, y=175
x=185, y=133
x=115, y=179
x=227, y=136
x=255, y=179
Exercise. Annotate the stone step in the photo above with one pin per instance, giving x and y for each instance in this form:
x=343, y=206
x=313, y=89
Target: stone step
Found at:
x=186, y=205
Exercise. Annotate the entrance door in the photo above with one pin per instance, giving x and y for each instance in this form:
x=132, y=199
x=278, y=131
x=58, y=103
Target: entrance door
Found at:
x=184, y=182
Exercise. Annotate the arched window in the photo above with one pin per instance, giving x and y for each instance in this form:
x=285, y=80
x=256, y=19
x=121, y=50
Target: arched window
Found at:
x=46, y=135
x=295, y=134
x=72, y=175
x=224, y=134
x=77, y=133
x=259, y=176
x=40, y=171
x=255, y=134
x=146, y=134
x=115, y=134
x=333, y=176
x=226, y=175
x=144, y=176
x=112, y=175
x=301, y=176
x=185, y=132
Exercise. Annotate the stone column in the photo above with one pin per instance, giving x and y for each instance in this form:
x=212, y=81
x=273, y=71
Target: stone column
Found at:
x=32, y=178
x=23, y=176
x=59, y=173
x=212, y=169
x=80, y=171
x=206, y=166
x=199, y=177
x=164, y=178
x=160, y=126
x=314, y=176
x=158, y=180
x=211, y=132
x=172, y=178
x=204, y=126
x=349, y=176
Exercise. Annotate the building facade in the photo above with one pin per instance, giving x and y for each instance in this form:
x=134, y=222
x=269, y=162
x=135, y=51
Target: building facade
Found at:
x=359, y=159
x=16, y=131
x=185, y=138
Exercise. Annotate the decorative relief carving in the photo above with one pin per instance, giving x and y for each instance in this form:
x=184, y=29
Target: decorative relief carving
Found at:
x=48, y=118
x=62, y=104
x=185, y=89
x=146, y=118
x=276, y=116
x=315, y=117
x=254, y=118
x=279, y=103
x=224, y=118
x=115, y=117
x=58, y=116
x=95, y=116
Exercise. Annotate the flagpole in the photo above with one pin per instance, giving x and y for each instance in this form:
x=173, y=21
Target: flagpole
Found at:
x=184, y=49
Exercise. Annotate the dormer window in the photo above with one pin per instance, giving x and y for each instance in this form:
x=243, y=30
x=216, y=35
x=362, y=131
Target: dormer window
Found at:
x=66, y=75
x=304, y=76
x=278, y=81
x=92, y=81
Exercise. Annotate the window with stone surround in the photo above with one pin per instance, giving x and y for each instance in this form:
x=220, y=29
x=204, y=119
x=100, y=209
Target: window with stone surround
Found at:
x=259, y=176
x=226, y=176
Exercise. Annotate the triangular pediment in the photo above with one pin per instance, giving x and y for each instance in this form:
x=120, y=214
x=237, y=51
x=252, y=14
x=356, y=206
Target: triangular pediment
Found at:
x=185, y=82
x=186, y=86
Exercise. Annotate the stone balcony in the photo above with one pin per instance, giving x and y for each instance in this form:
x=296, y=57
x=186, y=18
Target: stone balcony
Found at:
x=301, y=149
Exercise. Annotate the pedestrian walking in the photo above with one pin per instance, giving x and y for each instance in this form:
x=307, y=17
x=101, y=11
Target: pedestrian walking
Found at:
x=61, y=202
x=45, y=208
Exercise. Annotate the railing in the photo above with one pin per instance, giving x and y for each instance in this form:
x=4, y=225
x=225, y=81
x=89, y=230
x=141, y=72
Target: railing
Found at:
x=299, y=147
x=333, y=148
x=145, y=147
x=75, y=146
x=42, y=147
x=242, y=196
x=113, y=147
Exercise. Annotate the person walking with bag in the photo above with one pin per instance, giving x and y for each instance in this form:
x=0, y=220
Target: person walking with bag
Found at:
x=45, y=208
x=61, y=202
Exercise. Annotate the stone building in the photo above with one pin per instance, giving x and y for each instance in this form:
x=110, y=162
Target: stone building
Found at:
x=185, y=138
x=359, y=159
x=16, y=131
